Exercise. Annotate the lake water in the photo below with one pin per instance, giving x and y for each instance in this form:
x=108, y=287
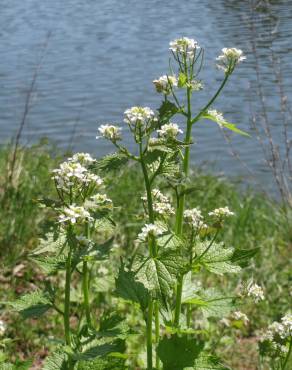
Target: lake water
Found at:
x=102, y=56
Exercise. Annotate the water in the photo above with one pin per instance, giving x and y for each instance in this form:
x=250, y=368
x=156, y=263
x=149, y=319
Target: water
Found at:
x=102, y=56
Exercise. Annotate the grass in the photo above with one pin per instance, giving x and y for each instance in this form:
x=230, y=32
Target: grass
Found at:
x=259, y=223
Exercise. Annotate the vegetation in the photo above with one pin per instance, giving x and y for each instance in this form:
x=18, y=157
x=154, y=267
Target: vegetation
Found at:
x=161, y=275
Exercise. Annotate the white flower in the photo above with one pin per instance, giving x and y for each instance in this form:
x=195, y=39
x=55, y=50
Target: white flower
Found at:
x=195, y=218
x=110, y=132
x=281, y=329
x=255, y=291
x=287, y=322
x=103, y=270
x=221, y=212
x=82, y=158
x=92, y=178
x=184, y=46
x=161, y=203
x=149, y=230
x=68, y=174
x=229, y=58
x=169, y=131
x=74, y=214
x=217, y=115
x=240, y=316
x=100, y=199
x=138, y=115
x=165, y=83
x=2, y=328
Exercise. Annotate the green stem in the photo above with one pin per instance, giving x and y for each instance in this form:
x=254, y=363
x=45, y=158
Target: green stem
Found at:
x=149, y=334
x=67, y=298
x=288, y=356
x=157, y=333
x=85, y=284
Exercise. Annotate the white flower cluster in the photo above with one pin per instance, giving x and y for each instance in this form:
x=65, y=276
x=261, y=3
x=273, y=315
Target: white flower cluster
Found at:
x=165, y=83
x=255, y=291
x=149, y=230
x=110, y=132
x=74, y=214
x=217, y=115
x=220, y=213
x=229, y=58
x=184, y=46
x=2, y=328
x=138, y=115
x=169, y=131
x=281, y=329
x=73, y=173
x=98, y=201
x=161, y=203
x=235, y=316
x=195, y=218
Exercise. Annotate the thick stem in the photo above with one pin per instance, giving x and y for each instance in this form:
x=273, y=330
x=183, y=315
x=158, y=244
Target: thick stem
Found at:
x=157, y=333
x=67, y=299
x=149, y=334
x=85, y=286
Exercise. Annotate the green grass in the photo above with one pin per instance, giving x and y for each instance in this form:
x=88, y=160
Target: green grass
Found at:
x=259, y=223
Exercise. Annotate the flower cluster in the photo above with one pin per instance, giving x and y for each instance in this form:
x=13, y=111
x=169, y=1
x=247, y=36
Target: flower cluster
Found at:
x=75, y=173
x=169, y=131
x=255, y=291
x=99, y=201
x=161, y=203
x=217, y=115
x=220, y=213
x=74, y=214
x=194, y=217
x=234, y=317
x=184, y=46
x=229, y=59
x=138, y=115
x=110, y=132
x=165, y=83
x=2, y=328
x=149, y=230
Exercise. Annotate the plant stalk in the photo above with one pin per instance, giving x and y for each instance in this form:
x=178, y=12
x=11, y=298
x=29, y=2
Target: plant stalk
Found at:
x=67, y=298
x=85, y=284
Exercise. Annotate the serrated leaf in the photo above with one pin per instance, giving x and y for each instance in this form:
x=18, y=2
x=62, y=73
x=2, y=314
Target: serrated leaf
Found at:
x=50, y=265
x=243, y=256
x=208, y=362
x=33, y=304
x=130, y=289
x=112, y=162
x=217, y=259
x=212, y=303
x=102, y=364
x=190, y=288
x=99, y=350
x=50, y=243
x=113, y=325
x=223, y=123
x=167, y=110
x=56, y=361
x=179, y=352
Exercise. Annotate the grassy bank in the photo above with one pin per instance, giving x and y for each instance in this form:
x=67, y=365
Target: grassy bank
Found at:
x=259, y=223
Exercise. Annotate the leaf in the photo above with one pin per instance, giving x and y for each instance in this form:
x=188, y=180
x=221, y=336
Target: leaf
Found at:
x=130, y=289
x=102, y=364
x=99, y=350
x=113, y=325
x=50, y=265
x=208, y=362
x=167, y=110
x=179, y=352
x=51, y=243
x=111, y=162
x=182, y=80
x=223, y=123
x=242, y=256
x=56, y=361
x=33, y=304
x=217, y=259
x=190, y=288
x=212, y=303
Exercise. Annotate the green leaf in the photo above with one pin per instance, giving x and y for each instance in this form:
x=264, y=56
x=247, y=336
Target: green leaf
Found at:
x=190, y=289
x=130, y=289
x=99, y=350
x=208, y=362
x=182, y=80
x=51, y=243
x=243, y=256
x=223, y=123
x=217, y=259
x=212, y=303
x=56, y=361
x=33, y=304
x=112, y=162
x=50, y=265
x=179, y=352
x=102, y=364
x=167, y=110
x=113, y=325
